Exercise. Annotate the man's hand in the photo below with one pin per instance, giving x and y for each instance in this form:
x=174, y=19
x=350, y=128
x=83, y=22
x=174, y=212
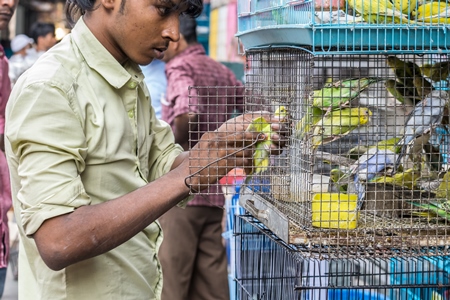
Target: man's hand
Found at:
x=229, y=147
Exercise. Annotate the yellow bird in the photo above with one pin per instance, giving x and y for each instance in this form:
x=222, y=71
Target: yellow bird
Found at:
x=443, y=191
x=338, y=124
x=312, y=116
x=429, y=9
x=405, y=6
x=378, y=11
x=442, y=17
x=262, y=148
x=406, y=179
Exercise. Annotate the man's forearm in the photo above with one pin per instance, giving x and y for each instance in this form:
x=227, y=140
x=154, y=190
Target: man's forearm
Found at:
x=102, y=227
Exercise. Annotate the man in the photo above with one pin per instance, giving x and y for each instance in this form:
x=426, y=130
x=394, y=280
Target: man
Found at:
x=7, y=8
x=192, y=255
x=18, y=63
x=44, y=38
x=92, y=168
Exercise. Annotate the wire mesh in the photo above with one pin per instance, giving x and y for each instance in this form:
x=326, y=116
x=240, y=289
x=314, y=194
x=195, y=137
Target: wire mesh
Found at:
x=365, y=170
x=209, y=108
x=268, y=268
x=345, y=26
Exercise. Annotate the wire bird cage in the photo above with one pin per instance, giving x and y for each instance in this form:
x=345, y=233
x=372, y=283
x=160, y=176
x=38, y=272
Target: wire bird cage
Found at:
x=268, y=268
x=343, y=26
x=360, y=176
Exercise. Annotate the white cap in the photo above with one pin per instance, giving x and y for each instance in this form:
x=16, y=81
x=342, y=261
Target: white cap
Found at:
x=19, y=42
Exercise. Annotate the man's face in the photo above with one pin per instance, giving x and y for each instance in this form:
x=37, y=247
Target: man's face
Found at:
x=7, y=8
x=142, y=29
x=47, y=41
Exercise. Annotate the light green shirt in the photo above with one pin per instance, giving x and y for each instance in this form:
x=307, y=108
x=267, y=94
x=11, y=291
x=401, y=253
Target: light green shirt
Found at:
x=80, y=130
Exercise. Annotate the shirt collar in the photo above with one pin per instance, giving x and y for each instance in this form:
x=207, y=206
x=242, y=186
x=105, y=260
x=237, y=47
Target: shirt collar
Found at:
x=99, y=59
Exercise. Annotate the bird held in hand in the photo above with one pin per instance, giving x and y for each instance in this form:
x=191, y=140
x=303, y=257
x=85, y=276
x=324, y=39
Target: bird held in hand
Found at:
x=262, y=148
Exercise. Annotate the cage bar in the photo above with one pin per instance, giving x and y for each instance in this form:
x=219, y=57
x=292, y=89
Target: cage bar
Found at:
x=268, y=268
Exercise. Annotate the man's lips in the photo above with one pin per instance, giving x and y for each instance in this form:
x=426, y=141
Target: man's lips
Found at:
x=4, y=16
x=159, y=52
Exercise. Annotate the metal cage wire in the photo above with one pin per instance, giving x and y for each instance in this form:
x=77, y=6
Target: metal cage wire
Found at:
x=338, y=26
x=382, y=212
x=268, y=268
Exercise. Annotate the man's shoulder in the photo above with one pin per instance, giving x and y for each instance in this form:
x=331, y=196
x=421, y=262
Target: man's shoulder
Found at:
x=57, y=66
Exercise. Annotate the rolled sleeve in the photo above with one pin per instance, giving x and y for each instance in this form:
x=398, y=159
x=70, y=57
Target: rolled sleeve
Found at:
x=70, y=197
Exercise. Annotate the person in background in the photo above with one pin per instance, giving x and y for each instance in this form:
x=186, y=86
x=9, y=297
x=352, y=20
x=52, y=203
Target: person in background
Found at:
x=92, y=168
x=44, y=38
x=18, y=62
x=7, y=9
x=156, y=81
x=193, y=257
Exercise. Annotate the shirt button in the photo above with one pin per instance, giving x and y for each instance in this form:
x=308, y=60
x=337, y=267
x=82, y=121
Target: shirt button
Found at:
x=131, y=114
x=132, y=84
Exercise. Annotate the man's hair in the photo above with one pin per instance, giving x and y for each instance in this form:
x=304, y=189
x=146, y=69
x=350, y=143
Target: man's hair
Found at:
x=188, y=28
x=41, y=29
x=74, y=9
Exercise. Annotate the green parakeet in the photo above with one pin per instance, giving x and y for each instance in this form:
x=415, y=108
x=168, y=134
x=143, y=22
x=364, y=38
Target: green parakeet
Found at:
x=262, y=148
x=436, y=72
x=338, y=124
x=405, y=95
x=405, y=179
x=311, y=117
x=403, y=70
x=440, y=208
x=338, y=177
x=409, y=74
x=443, y=191
x=340, y=93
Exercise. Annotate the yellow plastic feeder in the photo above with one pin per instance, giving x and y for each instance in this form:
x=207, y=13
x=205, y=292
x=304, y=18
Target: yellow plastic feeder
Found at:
x=335, y=210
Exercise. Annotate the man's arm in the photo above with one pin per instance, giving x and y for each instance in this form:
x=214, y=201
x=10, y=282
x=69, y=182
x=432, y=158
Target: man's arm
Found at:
x=95, y=229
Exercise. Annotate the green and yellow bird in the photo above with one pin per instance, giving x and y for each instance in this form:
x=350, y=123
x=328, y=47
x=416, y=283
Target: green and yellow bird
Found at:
x=339, y=94
x=262, y=148
x=429, y=9
x=437, y=71
x=439, y=207
x=406, y=179
x=443, y=191
x=409, y=74
x=338, y=177
x=405, y=95
x=311, y=117
x=403, y=70
x=338, y=124
x=378, y=11
x=405, y=6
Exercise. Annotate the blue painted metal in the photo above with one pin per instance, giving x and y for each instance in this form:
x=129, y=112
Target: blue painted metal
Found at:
x=269, y=23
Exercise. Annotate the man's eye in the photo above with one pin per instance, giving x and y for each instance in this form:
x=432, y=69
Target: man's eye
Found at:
x=164, y=10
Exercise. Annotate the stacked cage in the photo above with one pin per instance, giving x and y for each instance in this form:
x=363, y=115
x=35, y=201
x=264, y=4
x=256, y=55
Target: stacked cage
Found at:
x=269, y=268
x=362, y=189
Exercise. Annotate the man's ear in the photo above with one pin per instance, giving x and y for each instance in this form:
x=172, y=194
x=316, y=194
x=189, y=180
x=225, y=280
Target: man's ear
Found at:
x=108, y=4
